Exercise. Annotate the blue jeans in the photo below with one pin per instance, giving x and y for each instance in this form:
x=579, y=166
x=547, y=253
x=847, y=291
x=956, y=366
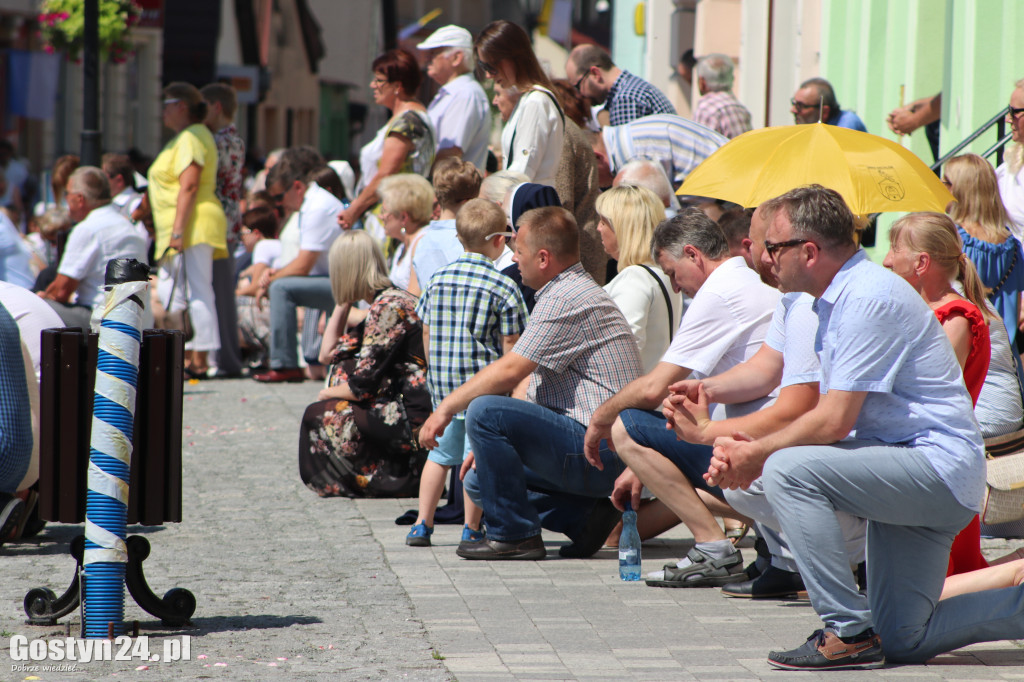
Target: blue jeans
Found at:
x=647, y=428
x=286, y=294
x=912, y=519
x=530, y=469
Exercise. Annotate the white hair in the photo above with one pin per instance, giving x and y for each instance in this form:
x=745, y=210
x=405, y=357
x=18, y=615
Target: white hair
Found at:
x=468, y=63
x=649, y=174
x=716, y=70
x=496, y=185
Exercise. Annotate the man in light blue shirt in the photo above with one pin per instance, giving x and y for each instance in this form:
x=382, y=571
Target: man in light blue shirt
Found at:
x=911, y=460
x=816, y=101
x=460, y=111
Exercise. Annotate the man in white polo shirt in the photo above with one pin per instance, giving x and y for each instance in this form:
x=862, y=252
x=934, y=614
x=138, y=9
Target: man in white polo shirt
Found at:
x=303, y=279
x=724, y=325
x=101, y=235
x=459, y=111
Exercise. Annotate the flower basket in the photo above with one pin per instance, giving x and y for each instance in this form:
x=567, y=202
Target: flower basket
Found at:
x=62, y=27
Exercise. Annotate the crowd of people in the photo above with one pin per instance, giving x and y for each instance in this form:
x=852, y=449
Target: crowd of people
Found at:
x=559, y=336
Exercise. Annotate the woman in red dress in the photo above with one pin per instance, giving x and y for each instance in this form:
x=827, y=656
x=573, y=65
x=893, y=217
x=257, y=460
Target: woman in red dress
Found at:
x=926, y=250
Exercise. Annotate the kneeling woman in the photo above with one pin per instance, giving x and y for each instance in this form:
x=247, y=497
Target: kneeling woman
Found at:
x=359, y=439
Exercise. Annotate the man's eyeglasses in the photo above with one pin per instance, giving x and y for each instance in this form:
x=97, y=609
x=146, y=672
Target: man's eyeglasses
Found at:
x=1015, y=112
x=277, y=198
x=772, y=247
x=579, y=83
x=487, y=68
x=801, y=106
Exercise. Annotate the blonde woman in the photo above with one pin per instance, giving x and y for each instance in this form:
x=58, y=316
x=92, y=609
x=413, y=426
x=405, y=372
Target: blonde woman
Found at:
x=926, y=251
x=359, y=439
x=627, y=217
x=984, y=228
x=407, y=204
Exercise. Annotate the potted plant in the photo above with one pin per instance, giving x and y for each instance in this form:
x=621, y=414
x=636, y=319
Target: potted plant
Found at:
x=62, y=27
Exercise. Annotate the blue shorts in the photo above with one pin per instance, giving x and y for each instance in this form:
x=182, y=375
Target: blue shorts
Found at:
x=452, y=446
x=648, y=429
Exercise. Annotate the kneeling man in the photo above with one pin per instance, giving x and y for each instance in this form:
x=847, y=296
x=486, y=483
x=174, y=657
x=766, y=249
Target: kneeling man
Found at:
x=915, y=469
x=576, y=352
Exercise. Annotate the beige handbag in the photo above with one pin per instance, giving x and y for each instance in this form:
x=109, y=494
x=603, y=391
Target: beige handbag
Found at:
x=1004, y=490
x=178, y=319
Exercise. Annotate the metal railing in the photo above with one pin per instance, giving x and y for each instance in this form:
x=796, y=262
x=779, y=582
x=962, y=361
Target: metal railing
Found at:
x=1003, y=137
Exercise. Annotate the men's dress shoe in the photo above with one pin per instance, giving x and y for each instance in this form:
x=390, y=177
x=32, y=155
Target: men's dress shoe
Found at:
x=529, y=549
x=277, y=376
x=602, y=519
x=774, y=583
x=825, y=650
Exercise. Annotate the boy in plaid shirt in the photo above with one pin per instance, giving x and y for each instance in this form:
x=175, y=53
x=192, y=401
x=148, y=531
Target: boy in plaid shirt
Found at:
x=471, y=314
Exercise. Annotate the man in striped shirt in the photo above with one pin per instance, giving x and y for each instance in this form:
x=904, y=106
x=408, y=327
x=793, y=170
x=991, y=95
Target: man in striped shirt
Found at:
x=679, y=144
x=576, y=352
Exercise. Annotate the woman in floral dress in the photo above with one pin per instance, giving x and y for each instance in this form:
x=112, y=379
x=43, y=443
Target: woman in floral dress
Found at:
x=359, y=439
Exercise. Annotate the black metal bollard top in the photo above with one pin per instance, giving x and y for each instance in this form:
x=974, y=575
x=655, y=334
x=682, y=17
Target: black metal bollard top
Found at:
x=121, y=270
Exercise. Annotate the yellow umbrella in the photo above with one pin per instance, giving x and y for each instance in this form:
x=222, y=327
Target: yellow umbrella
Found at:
x=872, y=174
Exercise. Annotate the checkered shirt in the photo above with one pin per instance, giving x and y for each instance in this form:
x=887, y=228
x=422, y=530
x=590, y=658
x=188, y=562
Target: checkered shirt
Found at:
x=15, y=417
x=632, y=97
x=583, y=345
x=721, y=111
x=468, y=307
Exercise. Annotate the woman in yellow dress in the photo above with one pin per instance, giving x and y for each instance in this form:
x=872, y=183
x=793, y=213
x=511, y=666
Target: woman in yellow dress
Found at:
x=188, y=219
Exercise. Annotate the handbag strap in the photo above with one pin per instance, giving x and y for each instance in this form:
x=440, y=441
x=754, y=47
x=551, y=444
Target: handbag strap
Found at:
x=668, y=300
x=1006, y=275
x=174, y=281
x=512, y=142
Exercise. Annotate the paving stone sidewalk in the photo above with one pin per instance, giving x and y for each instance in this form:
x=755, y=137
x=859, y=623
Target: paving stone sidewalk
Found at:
x=291, y=586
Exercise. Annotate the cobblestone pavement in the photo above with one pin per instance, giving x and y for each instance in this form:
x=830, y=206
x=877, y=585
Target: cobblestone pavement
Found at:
x=291, y=586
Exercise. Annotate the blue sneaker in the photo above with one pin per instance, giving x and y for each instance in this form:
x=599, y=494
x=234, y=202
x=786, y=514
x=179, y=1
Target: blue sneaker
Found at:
x=419, y=536
x=470, y=535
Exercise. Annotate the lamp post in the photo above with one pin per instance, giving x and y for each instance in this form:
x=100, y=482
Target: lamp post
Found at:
x=91, y=143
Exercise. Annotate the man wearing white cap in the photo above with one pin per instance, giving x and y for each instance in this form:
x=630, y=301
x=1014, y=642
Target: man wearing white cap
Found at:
x=459, y=111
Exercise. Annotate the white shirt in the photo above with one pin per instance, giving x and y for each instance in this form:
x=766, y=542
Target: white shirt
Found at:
x=793, y=330
x=531, y=141
x=15, y=255
x=267, y=252
x=103, y=236
x=1011, y=190
x=318, y=224
x=724, y=325
x=462, y=117
x=33, y=315
x=401, y=263
x=642, y=303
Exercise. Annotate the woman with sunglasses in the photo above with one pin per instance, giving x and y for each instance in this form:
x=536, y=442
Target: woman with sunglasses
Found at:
x=189, y=222
x=1011, y=171
x=405, y=144
x=531, y=141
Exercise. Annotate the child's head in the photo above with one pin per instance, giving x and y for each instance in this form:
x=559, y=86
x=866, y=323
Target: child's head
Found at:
x=455, y=182
x=260, y=222
x=481, y=227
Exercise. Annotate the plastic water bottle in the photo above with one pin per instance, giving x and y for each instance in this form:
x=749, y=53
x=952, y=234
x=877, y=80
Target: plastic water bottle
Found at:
x=629, y=546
